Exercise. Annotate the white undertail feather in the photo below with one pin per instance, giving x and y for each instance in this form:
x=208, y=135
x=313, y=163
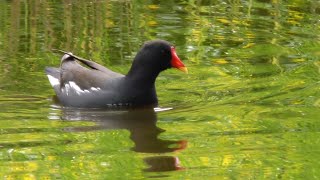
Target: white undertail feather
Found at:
x=53, y=81
x=72, y=86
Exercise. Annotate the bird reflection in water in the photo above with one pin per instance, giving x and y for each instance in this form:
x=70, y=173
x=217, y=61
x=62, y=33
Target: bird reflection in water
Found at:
x=141, y=123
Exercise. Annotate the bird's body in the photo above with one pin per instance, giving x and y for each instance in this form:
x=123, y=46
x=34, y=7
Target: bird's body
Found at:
x=96, y=86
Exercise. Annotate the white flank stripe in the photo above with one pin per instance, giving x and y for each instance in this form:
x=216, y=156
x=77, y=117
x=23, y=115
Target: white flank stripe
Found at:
x=95, y=89
x=75, y=87
x=72, y=86
x=67, y=88
x=53, y=81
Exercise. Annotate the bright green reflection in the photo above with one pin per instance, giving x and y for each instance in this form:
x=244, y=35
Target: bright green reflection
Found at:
x=248, y=109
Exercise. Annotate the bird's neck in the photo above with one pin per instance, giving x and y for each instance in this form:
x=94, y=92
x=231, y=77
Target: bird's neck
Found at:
x=142, y=76
x=141, y=86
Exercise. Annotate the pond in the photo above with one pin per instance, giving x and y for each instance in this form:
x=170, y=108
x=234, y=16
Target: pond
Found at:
x=248, y=109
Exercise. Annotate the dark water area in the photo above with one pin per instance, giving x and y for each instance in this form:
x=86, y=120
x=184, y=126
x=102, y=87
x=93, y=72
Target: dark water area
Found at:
x=248, y=109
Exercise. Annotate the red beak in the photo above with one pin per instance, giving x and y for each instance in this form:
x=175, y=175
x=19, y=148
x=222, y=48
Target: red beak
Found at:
x=176, y=62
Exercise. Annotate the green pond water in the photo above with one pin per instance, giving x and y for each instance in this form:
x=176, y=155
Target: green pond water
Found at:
x=248, y=109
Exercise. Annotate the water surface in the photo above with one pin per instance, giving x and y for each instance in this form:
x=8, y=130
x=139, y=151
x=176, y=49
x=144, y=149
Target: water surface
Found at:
x=248, y=109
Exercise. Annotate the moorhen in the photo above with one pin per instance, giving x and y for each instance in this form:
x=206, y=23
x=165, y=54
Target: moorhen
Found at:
x=96, y=86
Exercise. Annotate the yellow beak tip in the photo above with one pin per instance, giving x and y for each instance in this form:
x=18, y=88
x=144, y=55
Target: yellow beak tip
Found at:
x=183, y=69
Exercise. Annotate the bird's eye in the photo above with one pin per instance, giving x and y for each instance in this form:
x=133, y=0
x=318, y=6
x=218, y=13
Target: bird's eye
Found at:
x=165, y=51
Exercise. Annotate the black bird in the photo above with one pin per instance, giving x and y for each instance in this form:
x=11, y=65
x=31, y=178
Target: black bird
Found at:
x=96, y=86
